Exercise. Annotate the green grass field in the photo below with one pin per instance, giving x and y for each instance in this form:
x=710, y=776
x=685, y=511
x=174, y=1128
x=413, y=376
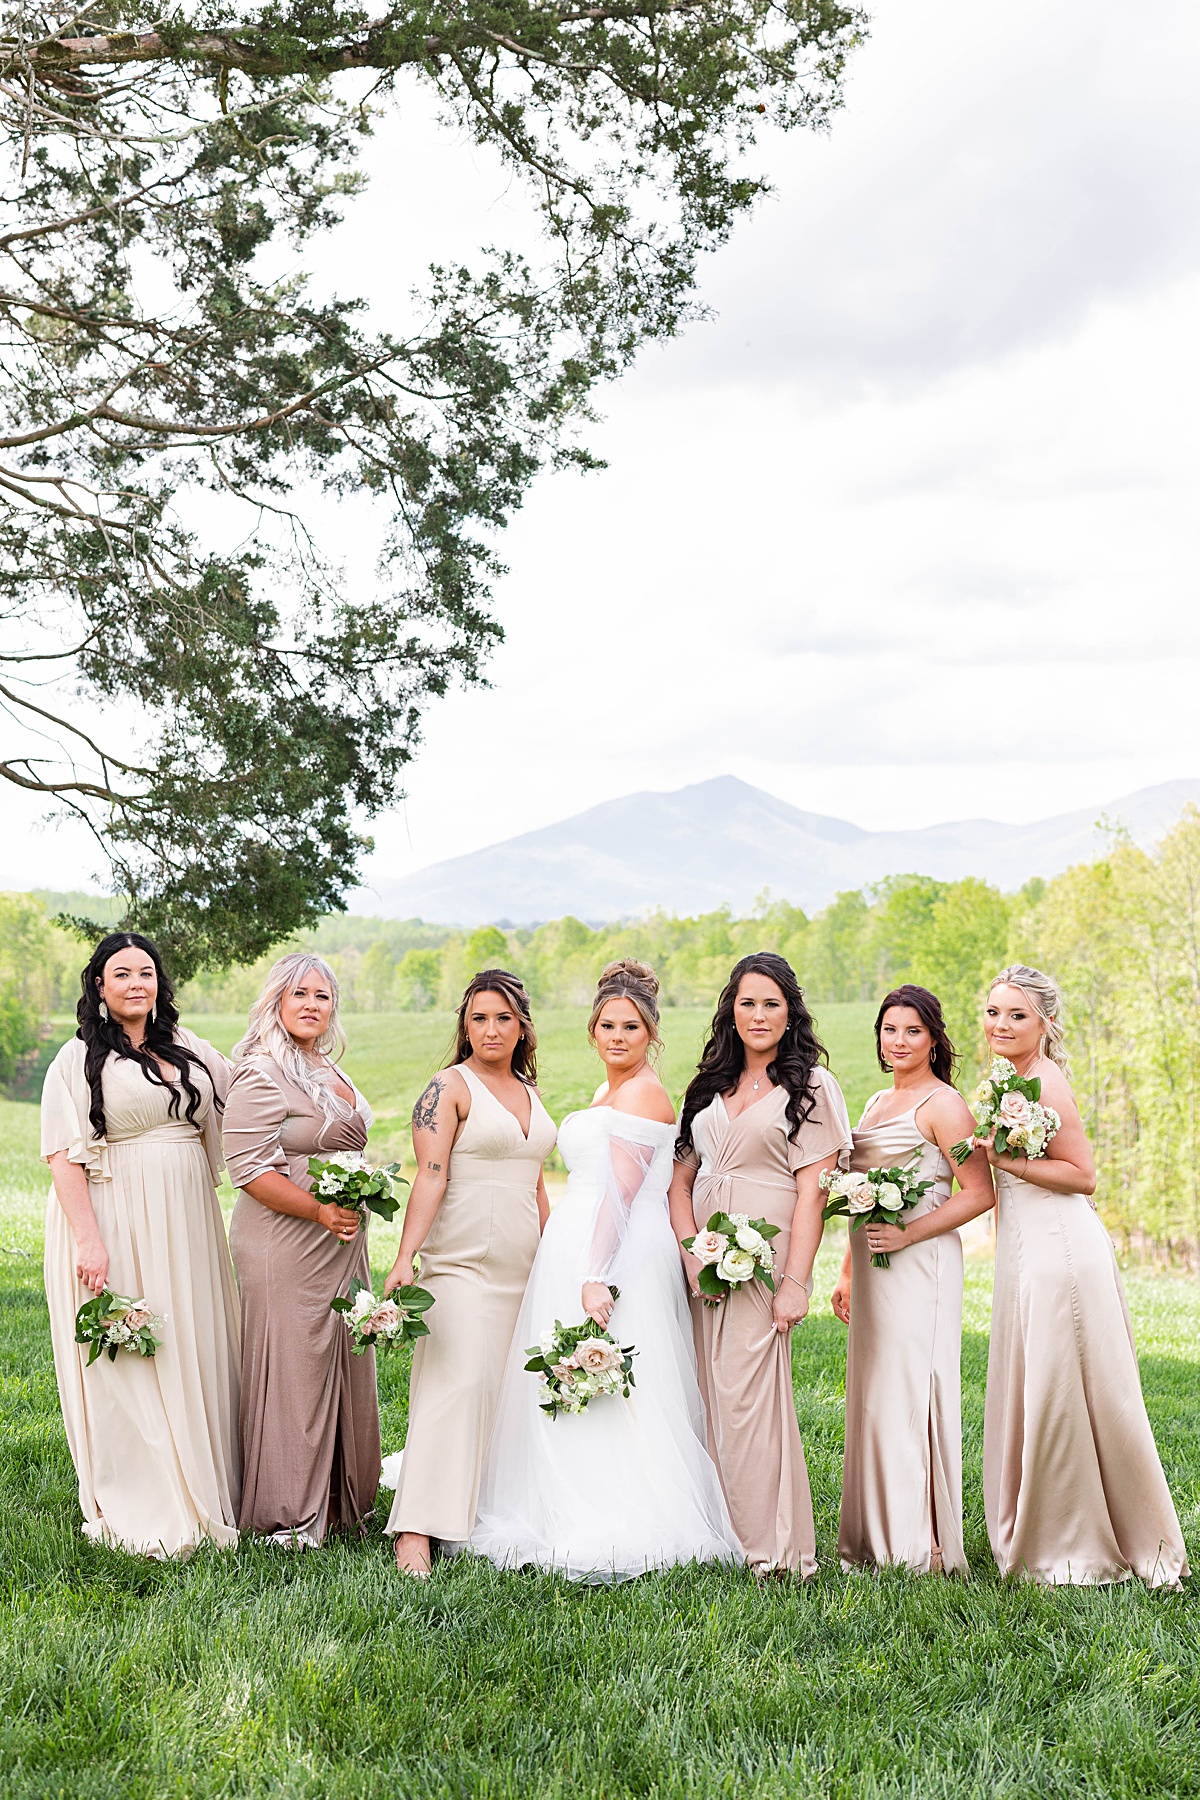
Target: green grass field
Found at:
x=266, y=1673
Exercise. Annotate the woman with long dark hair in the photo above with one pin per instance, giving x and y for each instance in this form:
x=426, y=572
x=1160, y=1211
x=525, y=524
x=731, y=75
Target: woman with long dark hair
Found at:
x=475, y=1216
x=310, y=1411
x=762, y=1120
x=902, y=1475
x=130, y=1130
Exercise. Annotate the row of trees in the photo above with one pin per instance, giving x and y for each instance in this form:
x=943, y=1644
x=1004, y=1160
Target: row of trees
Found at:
x=1122, y=935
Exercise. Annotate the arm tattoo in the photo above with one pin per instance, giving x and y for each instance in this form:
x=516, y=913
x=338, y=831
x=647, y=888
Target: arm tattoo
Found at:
x=434, y=1168
x=424, y=1115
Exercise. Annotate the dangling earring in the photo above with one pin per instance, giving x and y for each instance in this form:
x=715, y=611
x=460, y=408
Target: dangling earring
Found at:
x=103, y=1010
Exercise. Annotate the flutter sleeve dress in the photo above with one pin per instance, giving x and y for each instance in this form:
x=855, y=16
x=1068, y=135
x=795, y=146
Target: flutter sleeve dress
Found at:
x=310, y=1410
x=475, y=1262
x=902, y=1475
x=748, y=1165
x=154, y=1439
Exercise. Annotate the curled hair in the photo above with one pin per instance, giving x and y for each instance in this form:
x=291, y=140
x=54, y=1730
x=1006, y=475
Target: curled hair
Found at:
x=512, y=990
x=1045, y=997
x=267, y=1035
x=632, y=981
x=105, y=1037
x=723, y=1058
x=929, y=1009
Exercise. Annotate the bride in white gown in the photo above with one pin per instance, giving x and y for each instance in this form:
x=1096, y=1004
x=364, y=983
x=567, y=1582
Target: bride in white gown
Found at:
x=627, y=1485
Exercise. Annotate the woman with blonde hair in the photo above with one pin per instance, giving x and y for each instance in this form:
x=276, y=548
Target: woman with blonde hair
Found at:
x=1074, y=1491
x=310, y=1413
x=475, y=1214
x=629, y=1486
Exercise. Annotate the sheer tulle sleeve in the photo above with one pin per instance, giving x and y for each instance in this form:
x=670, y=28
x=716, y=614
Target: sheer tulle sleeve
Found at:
x=626, y=1172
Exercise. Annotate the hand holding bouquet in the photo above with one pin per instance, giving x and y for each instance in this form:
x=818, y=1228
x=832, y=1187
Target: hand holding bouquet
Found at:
x=348, y=1180
x=382, y=1323
x=110, y=1323
x=1010, y=1104
x=732, y=1249
x=872, y=1197
x=577, y=1363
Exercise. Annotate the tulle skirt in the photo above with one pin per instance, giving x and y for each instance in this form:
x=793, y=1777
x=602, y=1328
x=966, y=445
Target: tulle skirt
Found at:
x=627, y=1486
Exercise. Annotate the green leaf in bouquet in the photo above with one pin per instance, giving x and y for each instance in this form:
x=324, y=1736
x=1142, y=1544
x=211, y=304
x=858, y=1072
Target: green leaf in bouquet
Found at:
x=384, y=1206
x=415, y=1328
x=767, y=1279
x=413, y=1299
x=709, y=1282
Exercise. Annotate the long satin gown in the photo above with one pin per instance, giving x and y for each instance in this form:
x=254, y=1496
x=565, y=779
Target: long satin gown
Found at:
x=310, y=1412
x=1073, y=1488
x=902, y=1475
x=475, y=1262
x=154, y=1439
x=749, y=1165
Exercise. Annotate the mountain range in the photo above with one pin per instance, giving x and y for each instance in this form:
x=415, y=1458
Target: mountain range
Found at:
x=723, y=841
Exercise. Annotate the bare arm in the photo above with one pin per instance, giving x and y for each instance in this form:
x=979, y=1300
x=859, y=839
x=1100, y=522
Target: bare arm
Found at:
x=71, y=1190
x=436, y=1120
x=944, y=1119
x=279, y=1194
x=791, y=1282
x=543, y=1201
x=840, y=1297
x=1069, y=1167
x=683, y=1220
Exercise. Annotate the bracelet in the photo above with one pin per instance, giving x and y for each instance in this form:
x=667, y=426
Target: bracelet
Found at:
x=796, y=1279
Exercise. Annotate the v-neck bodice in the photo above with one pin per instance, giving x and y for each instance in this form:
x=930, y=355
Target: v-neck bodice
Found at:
x=493, y=1134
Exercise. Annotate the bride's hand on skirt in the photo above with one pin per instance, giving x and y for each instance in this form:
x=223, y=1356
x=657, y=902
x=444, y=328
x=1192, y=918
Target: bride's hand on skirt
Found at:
x=597, y=1303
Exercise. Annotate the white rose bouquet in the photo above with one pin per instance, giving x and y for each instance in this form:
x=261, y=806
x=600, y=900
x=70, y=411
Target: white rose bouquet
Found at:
x=382, y=1323
x=1012, y=1104
x=575, y=1364
x=732, y=1249
x=348, y=1180
x=872, y=1197
x=110, y=1323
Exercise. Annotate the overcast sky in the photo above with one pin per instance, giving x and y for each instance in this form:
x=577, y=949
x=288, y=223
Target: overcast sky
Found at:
x=908, y=532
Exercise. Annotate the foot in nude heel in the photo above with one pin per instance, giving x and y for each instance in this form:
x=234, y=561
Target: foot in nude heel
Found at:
x=412, y=1555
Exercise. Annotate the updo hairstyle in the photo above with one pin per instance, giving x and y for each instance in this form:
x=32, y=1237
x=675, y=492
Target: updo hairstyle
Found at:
x=928, y=1008
x=632, y=981
x=1045, y=997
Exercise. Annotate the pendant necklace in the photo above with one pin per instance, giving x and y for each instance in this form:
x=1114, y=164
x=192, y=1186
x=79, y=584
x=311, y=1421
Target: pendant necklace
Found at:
x=754, y=1085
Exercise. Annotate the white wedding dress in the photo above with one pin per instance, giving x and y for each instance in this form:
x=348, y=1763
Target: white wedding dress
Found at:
x=627, y=1485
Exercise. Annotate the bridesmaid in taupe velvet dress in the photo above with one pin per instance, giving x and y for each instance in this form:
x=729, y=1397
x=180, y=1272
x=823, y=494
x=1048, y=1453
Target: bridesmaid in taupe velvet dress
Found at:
x=761, y=1121
x=310, y=1412
x=1073, y=1488
x=902, y=1474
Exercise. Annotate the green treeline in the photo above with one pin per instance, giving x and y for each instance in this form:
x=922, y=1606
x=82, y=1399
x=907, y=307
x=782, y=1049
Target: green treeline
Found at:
x=1122, y=935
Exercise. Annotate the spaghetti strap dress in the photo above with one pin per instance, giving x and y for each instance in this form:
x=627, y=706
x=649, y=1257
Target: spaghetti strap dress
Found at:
x=475, y=1262
x=902, y=1474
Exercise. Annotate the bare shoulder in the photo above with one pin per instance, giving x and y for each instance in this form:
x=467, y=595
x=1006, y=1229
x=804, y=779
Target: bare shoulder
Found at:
x=445, y=1090
x=645, y=1098
x=600, y=1093
x=1056, y=1089
x=945, y=1106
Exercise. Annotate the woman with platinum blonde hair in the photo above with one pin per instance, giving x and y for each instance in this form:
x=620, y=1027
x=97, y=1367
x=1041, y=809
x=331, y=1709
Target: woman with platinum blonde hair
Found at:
x=1074, y=1491
x=310, y=1413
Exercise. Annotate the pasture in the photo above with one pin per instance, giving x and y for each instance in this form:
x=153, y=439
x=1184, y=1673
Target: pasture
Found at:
x=268, y=1673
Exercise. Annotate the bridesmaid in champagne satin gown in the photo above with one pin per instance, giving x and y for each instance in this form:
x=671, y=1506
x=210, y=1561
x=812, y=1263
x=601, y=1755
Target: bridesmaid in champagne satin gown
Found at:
x=1073, y=1487
x=902, y=1475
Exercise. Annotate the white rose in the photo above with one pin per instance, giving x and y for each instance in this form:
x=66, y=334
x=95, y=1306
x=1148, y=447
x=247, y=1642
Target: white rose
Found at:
x=364, y=1303
x=736, y=1265
x=889, y=1197
x=749, y=1239
x=709, y=1246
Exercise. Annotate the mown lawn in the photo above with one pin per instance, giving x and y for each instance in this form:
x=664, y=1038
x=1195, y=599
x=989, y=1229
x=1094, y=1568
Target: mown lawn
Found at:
x=265, y=1673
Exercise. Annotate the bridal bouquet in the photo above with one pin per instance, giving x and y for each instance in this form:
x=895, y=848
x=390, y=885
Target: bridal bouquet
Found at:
x=872, y=1197
x=733, y=1249
x=382, y=1323
x=1012, y=1103
x=110, y=1323
x=348, y=1180
x=577, y=1363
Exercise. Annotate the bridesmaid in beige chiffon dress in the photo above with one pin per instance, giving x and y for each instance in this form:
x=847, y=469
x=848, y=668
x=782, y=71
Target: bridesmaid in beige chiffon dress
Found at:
x=475, y=1216
x=739, y=1150
x=902, y=1473
x=134, y=1209
x=1074, y=1491
x=310, y=1411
